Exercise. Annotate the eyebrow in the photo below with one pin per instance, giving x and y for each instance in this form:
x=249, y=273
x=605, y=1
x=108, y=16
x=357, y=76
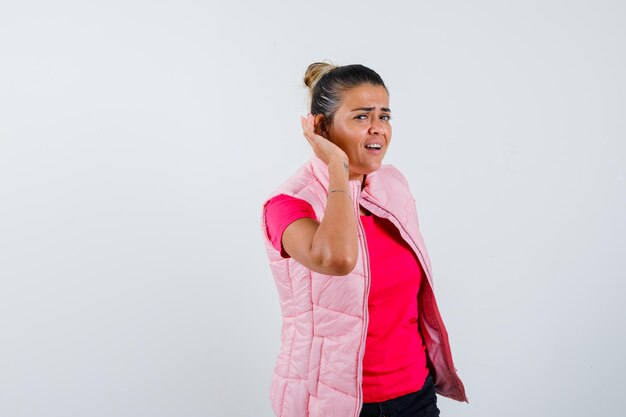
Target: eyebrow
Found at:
x=385, y=109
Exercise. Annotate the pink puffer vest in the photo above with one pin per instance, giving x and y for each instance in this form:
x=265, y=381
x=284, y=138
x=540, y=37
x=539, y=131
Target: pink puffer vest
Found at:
x=318, y=371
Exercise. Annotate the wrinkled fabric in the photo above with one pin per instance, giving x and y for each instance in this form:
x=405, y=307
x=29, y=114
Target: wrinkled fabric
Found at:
x=318, y=371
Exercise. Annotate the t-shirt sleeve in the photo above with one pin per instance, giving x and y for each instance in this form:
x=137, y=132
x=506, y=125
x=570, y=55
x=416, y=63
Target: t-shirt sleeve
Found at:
x=280, y=212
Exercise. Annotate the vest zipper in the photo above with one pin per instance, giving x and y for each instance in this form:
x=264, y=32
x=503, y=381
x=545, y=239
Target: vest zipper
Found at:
x=420, y=256
x=364, y=251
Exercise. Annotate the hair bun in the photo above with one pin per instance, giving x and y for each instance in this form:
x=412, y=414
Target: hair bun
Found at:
x=315, y=71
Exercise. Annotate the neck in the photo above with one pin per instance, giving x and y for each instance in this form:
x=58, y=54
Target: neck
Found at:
x=359, y=177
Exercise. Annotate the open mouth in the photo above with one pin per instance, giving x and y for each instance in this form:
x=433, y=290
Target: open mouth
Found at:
x=374, y=146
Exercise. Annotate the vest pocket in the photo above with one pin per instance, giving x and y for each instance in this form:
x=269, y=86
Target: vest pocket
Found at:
x=314, y=364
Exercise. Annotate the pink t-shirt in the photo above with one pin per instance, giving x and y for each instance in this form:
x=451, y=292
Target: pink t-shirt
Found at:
x=394, y=362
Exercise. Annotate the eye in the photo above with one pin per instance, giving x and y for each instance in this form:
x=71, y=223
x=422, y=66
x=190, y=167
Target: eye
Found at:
x=361, y=116
x=386, y=117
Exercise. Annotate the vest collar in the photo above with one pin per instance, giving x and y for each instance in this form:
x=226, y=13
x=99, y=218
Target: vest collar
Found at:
x=379, y=194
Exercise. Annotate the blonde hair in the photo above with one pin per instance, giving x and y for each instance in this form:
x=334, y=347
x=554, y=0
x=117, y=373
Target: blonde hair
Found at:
x=315, y=71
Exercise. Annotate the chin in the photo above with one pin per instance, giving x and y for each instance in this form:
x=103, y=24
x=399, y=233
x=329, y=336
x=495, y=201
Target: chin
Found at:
x=374, y=167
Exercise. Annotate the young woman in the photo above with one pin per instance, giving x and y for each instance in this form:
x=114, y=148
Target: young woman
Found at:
x=362, y=335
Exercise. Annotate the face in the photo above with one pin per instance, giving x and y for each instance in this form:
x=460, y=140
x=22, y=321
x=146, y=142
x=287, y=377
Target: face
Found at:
x=361, y=128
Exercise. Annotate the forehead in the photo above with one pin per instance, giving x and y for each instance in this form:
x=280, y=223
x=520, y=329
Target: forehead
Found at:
x=365, y=95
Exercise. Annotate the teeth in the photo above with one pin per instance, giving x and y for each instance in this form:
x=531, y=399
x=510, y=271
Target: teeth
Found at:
x=374, y=146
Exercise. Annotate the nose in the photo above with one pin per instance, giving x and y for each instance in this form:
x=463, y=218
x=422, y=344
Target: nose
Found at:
x=376, y=127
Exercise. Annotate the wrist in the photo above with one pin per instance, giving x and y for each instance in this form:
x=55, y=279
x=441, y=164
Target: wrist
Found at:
x=339, y=162
x=338, y=190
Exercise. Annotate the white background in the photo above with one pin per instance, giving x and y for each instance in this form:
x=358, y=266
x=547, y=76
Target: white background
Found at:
x=138, y=140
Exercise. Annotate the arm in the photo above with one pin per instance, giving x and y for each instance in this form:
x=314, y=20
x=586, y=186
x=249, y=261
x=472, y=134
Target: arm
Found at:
x=330, y=246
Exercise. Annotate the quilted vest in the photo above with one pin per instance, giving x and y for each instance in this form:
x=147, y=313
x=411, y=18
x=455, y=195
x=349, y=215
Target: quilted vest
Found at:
x=318, y=372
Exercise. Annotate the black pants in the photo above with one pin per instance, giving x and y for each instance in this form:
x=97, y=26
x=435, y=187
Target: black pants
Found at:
x=422, y=403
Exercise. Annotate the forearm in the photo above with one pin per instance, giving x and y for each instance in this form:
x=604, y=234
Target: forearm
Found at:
x=335, y=242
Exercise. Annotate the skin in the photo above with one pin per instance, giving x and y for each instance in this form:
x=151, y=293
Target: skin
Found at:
x=352, y=126
x=331, y=246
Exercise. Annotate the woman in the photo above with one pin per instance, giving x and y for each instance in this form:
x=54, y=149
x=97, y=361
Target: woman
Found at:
x=362, y=335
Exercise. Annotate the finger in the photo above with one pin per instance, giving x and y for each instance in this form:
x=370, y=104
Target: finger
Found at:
x=305, y=125
x=309, y=133
x=305, y=121
x=308, y=136
x=310, y=121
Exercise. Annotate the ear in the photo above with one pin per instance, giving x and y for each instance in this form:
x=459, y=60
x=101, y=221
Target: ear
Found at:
x=320, y=125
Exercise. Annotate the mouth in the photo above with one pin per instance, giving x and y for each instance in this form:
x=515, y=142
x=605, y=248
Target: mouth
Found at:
x=374, y=147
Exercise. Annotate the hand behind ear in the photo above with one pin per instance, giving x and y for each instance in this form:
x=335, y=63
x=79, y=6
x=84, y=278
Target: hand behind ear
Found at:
x=323, y=148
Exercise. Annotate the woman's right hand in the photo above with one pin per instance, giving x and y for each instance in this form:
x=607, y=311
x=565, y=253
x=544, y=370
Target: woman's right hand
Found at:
x=324, y=149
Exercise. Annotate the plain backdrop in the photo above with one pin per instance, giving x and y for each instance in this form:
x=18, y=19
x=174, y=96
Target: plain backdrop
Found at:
x=139, y=139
